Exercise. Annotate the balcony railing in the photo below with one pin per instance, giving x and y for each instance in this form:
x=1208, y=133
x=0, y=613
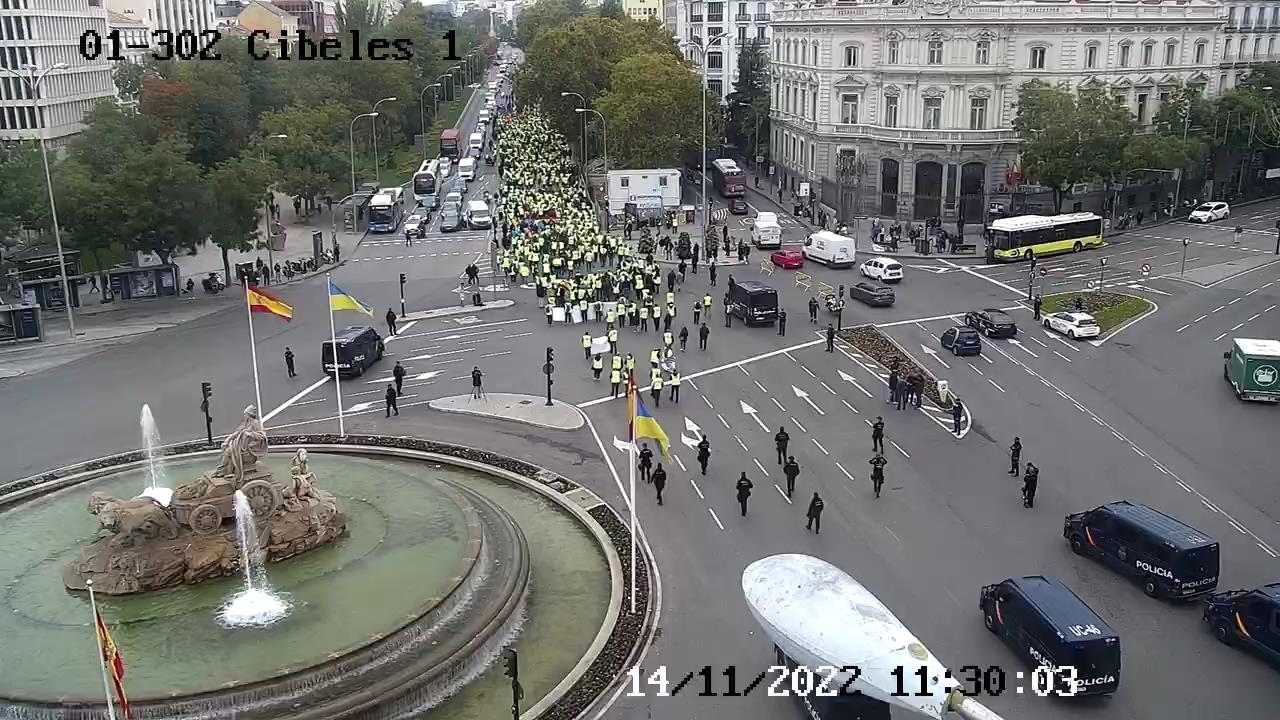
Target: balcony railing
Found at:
x=695, y=18
x=715, y=17
x=919, y=135
x=762, y=17
x=742, y=17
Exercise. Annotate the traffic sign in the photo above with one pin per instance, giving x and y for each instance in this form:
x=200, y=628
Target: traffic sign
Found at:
x=1031, y=275
x=1146, y=269
x=1044, y=271
x=548, y=368
x=1093, y=284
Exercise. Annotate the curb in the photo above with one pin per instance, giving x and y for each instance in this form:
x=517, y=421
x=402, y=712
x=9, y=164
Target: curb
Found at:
x=499, y=416
x=457, y=310
x=1131, y=321
x=6, y=373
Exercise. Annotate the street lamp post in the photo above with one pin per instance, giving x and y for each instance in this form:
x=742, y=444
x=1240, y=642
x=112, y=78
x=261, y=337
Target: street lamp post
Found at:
x=1187, y=241
x=448, y=88
x=583, y=136
x=377, y=164
x=605, y=128
x=271, y=261
x=34, y=81
x=351, y=140
x=702, y=161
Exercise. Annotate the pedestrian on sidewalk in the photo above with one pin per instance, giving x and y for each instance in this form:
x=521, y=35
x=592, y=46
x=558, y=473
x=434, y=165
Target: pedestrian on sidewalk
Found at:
x=703, y=333
x=813, y=309
x=704, y=453
x=792, y=471
x=877, y=473
x=780, y=441
x=831, y=338
x=391, y=322
x=744, y=491
x=782, y=323
x=288, y=362
x=957, y=412
x=597, y=367
x=1015, y=456
x=814, y=514
x=477, y=390
x=659, y=481
x=398, y=374
x=391, y=400
x=646, y=461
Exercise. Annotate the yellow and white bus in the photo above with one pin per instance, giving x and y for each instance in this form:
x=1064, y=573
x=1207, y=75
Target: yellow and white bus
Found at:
x=1020, y=238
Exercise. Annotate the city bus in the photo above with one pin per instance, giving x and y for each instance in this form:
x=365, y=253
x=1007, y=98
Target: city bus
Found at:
x=384, y=213
x=728, y=178
x=449, y=143
x=1027, y=236
x=426, y=184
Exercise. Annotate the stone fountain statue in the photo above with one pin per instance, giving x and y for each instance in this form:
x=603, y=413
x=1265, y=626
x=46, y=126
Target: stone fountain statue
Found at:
x=151, y=545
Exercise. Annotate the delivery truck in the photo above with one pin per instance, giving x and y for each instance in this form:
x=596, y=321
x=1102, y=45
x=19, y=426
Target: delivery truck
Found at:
x=1253, y=369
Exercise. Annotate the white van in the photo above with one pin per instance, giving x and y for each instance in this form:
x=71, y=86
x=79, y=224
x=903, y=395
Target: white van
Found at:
x=467, y=169
x=766, y=233
x=476, y=141
x=484, y=116
x=830, y=249
x=478, y=216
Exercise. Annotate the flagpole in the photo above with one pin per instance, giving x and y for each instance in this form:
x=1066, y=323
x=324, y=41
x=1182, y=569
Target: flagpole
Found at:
x=253, y=351
x=631, y=423
x=102, y=660
x=333, y=349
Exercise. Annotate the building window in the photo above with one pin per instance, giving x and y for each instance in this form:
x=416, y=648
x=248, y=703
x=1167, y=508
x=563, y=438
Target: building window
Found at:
x=849, y=109
x=1200, y=46
x=892, y=54
x=1125, y=51
x=891, y=111
x=742, y=34
x=715, y=61
x=851, y=56
x=1091, y=56
x=760, y=33
x=716, y=87
x=982, y=56
x=1148, y=54
x=1231, y=17
x=804, y=103
x=1142, y=108
x=978, y=114
x=1257, y=48
x=1271, y=47
x=1170, y=54
x=1226, y=49
x=1248, y=18
x=932, y=113
x=1037, y=58
x=935, y=52
x=715, y=12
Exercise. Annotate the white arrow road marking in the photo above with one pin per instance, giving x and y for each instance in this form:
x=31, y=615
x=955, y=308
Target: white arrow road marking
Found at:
x=1064, y=342
x=399, y=330
x=849, y=379
x=934, y=354
x=747, y=409
x=434, y=355
x=303, y=393
x=691, y=426
x=360, y=407
x=623, y=446
x=419, y=376
x=688, y=441
x=805, y=397
x=1024, y=347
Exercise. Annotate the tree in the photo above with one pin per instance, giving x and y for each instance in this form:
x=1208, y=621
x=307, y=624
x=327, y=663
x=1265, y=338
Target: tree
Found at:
x=24, y=202
x=577, y=8
x=237, y=189
x=162, y=199
x=128, y=79
x=749, y=101
x=362, y=15
x=653, y=111
x=612, y=9
x=90, y=210
x=314, y=158
x=542, y=16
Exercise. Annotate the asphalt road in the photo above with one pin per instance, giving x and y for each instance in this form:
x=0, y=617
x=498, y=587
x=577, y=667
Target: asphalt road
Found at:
x=1143, y=416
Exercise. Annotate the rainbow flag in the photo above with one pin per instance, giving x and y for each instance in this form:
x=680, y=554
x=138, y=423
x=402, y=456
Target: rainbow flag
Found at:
x=641, y=423
x=114, y=662
x=261, y=301
x=340, y=300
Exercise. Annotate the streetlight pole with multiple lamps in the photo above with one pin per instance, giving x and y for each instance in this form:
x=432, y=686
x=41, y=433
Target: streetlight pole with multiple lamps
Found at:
x=583, y=136
x=351, y=140
x=377, y=163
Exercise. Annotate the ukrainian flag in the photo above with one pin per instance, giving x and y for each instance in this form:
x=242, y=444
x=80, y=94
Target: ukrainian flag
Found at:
x=643, y=423
x=340, y=300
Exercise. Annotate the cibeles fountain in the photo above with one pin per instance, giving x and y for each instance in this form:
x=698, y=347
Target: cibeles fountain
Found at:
x=198, y=531
x=300, y=577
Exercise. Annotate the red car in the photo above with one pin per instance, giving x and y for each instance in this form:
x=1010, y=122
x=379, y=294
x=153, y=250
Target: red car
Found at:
x=787, y=259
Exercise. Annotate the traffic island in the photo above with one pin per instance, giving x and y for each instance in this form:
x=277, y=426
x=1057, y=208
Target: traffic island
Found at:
x=1111, y=310
x=873, y=341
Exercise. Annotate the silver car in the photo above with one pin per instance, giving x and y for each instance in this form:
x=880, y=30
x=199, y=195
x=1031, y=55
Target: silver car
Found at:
x=415, y=224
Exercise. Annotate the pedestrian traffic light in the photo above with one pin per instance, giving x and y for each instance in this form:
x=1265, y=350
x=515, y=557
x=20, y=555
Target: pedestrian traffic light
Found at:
x=513, y=663
x=551, y=354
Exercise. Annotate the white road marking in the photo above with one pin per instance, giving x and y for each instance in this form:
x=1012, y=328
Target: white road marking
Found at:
x=763, y=389
x=1185, y=486
x=989, y=360
x=1019, y=344
x=905, y=454
x=1239, y=529
x=1199, y=319
x=791, y=357
x=975, y=369
x=997, y=386
x=1219, y=308
x=1064, y=357
x=783, y=493
x=797, y=422
x=496, y=354
x=713, y=517
x=824, y=450
x=1266, y=549
x=679, y=462
x=755, y=415
x=895, y=537
x=301, y=394
x=744, y=371
x=697, y=489
x=1211, y=506
x=1237, y=327
x=470, y=327
x=1037, y=341
x=944, y=317
x=740, y=443
x=722, y=422
x=310, y=402
x=708, y=402
x=1219, y=337
x=828, y=387
x=802, y=367
x=695, y=387
x=1233, y=302
x=775, y=402
x=1135, y=449
x=757, y=462
x=846, y=472
x=849, y=379
x=846, y=404
x=805, y=396
x=1184, y=327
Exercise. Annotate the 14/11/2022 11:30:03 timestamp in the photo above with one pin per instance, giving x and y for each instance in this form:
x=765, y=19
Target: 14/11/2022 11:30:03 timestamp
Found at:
x=207, y=45
x=832, y=681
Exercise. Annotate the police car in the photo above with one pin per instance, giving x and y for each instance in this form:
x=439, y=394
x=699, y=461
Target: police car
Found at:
x=1072, y=324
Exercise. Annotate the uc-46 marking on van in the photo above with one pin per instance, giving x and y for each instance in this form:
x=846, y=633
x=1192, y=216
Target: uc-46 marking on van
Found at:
x=1084, y=630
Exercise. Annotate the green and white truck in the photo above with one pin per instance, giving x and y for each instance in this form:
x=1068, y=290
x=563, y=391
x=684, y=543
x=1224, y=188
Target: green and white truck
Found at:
x=1253, y=369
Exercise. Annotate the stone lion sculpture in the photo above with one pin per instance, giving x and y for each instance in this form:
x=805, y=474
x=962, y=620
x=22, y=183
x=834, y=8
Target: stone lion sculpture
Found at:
x=132, y=521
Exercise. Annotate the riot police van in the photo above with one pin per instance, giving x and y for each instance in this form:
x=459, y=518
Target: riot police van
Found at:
x=359, y=346
x=1248, y=618
x=1074, y=651
x=754, y=302
x=1168, y=557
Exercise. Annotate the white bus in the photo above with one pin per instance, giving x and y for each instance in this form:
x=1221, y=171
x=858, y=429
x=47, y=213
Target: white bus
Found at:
x=426, y=184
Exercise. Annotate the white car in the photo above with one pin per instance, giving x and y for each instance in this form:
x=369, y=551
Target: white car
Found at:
x=415, y=224
x=1073, y=325
x=882, y=269
x=1210, y=211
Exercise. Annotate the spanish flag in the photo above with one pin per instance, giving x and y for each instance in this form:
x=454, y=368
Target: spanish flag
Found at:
x=340, y=300
x=642, y=423
x=114, y=663
x=261, y=301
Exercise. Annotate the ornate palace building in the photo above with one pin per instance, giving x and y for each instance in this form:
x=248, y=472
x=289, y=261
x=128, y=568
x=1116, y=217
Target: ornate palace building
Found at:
x=905, y=108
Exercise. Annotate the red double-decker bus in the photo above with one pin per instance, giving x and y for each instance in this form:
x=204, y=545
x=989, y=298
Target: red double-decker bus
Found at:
x=728, y=178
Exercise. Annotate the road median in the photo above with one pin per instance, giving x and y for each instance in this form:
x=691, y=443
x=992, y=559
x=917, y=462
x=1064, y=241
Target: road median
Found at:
x=1111, y=310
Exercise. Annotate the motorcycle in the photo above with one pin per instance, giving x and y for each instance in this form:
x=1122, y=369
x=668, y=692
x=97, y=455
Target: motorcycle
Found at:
x=213, y=284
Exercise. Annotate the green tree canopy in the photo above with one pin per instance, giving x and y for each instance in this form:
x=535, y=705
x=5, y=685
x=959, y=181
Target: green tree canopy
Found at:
x=539, y=18
x=237, y=191
x=653, y=110
x=748, y=119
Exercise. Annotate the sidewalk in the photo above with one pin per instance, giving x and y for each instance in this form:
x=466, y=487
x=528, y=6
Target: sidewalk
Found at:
x=527, y=409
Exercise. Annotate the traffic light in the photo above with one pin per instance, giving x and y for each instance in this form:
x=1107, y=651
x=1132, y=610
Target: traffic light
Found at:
x=402, y=278
x=206, y=392
x=551, y=354
x=513, y=663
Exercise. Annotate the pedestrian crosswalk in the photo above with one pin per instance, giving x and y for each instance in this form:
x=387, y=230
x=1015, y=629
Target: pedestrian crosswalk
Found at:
x=434, y=237
x=412, y=256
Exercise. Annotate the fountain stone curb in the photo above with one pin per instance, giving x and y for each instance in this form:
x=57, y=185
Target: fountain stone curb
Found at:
x=612, y=633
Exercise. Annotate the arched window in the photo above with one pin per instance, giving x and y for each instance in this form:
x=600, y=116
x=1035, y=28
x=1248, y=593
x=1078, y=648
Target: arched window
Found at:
x=815, y=48
x=850, y=55
x=1126, y=53
x=1171, y=52
x=1091, y=55
x=1202, y=47
x=1148, y=53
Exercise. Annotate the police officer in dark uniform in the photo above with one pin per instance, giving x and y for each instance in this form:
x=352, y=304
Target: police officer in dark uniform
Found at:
x=792, y=471
x=728, y=314
x=780, y=441
x=391, y=400
x=398, y=373
x=646, y=462
x=877, y=435
x=1029, y=482
x=831, y=338
x=957, y=412
x=288, y=362
x=704, y=453
x=1015, y=453
x=744, y=491
x=782, y=323
x=391, y=321
x=1035, y=306
x=814, y=514
x=659, y=481
x=877, y=472
x=813, y=309
x=704, y=332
